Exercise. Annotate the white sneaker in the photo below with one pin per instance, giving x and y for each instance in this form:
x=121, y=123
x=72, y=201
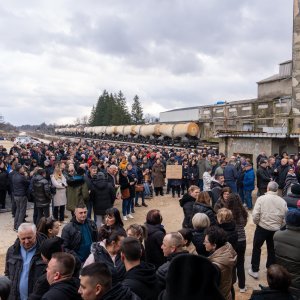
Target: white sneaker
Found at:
x=243, y=290
x=130, y=216
x=253, y=274
x=125, y=218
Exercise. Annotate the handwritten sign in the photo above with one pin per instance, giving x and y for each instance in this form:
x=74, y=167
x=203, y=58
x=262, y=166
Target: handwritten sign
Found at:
x=174, y=172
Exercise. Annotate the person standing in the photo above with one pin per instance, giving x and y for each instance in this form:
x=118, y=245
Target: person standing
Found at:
x=24, y=264
x=158, y=171
x=231, y=175
x=79, y=234
x=263, y=177
x=20, y=184
x=248, y=184
x=268, y=215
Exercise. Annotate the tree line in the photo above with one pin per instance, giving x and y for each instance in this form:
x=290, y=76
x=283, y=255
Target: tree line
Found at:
x=111, y=109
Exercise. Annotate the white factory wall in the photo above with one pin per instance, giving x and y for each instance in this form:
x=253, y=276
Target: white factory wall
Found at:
x=180, y=115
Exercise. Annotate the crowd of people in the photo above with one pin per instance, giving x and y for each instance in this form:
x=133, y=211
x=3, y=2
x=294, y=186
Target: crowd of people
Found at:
x=99, y=257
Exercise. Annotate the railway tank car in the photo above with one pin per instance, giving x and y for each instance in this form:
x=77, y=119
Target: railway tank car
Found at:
x=183, y=134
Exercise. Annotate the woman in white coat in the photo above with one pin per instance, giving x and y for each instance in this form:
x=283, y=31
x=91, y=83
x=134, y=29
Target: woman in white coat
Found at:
x=60, y=198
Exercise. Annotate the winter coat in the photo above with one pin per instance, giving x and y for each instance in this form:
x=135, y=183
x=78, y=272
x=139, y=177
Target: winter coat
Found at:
x=206, y=181
x=116, y=267
x=102, y=195
x=219, y=204
x=60, y=184
x=187, y=202
x=225, y=259
x=291, y=200
x=14, y=266
x=120, y=292
x=142, y=281
x=72, y=236
x=281, y=175
x=153, y=242
x=287, y=252
x=249, y=179
x=158, y=175
x=41, y=191
x=263, y=178
x=162, y=271
x=4, y=182
x=268, y=294
x=77, y=192
x=231, y=233
x=193, y=173
x=269, y=211
x=40, y=288
x=216, y=189
x=20, y=185
x=66, y=289
x=230, y=173
x=205, y=209
x=198, y=237
x=203, y=165
x=289, y=181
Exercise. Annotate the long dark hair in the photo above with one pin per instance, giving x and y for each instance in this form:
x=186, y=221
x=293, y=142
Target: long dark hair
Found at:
x=114, y=212
x=45, y=224
x=239, y=212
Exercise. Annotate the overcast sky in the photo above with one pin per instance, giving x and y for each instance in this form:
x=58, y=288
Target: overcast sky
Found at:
x=56, y=57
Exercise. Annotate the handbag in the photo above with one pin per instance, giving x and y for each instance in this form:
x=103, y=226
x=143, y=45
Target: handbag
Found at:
x=125, y=193
x=139, y=187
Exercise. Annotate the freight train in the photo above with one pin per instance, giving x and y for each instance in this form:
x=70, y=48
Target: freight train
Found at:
x=184, y=134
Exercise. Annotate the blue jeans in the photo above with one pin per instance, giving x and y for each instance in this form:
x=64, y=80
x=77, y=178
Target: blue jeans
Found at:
x=232, y=185
x=147, y=189
x=248, y=198
x=200, y=184
x=137, y=194
x=126, y=206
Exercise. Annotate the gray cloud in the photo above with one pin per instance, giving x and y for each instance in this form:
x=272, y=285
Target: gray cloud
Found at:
x=60, y=54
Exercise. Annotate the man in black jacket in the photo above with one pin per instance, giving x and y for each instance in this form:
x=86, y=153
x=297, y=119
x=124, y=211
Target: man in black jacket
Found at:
x=60, y=277
x=96, y=284
x=41, y=193
x=20, y=184
x=140, y=276
x=79, y=234
x=102, y=196
x=263, y=177
x=172, y=246
x=281, y=173
x=24, y=264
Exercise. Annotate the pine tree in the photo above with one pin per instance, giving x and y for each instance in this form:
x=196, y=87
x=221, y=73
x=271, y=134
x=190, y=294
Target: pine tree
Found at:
x=91, y=120
x=137, y=111
x=122, y=109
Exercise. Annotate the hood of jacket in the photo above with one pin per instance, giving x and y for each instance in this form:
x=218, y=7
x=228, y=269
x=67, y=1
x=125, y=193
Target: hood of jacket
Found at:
x=154, y=228
x=68, y=287
x=144, y=273
x=214, y=183
x=38, y=178
x=99, y=183
x=185, y=199
x=118, y=292
x=225, y=256
x=228, y=226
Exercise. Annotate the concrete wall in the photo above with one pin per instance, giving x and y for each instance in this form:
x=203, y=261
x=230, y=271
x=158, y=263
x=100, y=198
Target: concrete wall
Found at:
x=254, y=146
x=273, y=89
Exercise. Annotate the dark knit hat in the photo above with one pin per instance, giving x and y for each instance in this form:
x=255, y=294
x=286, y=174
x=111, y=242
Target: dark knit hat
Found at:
x=191, y=277
x=295, y=189
x=293, y=218
x=50, y=246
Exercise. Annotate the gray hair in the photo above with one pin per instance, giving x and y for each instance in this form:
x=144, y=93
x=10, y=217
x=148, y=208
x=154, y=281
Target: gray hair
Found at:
x=272, y=186
x=200, y=220
x=27, y=226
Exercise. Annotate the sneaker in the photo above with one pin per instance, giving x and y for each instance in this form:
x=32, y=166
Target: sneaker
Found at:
x=130, y=216
x=125, y=218
x=144, y=204
x=243, y=290
x=253, y=274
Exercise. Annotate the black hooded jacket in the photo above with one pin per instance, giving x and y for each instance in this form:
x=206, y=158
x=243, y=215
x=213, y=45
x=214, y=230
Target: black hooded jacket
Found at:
x=66, y=289
x=154, y=253
x=205, y=209
x=231, y=233
x=41, y=191
x=187, y=202
x=102, y=195
x=120, y=292
x=142, y=281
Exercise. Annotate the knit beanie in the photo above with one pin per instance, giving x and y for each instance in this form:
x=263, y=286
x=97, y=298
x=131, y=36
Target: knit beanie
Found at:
x=295, y=189
x=191, y=277
x=50, y=246
x=5, y=285
x=293, y=217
